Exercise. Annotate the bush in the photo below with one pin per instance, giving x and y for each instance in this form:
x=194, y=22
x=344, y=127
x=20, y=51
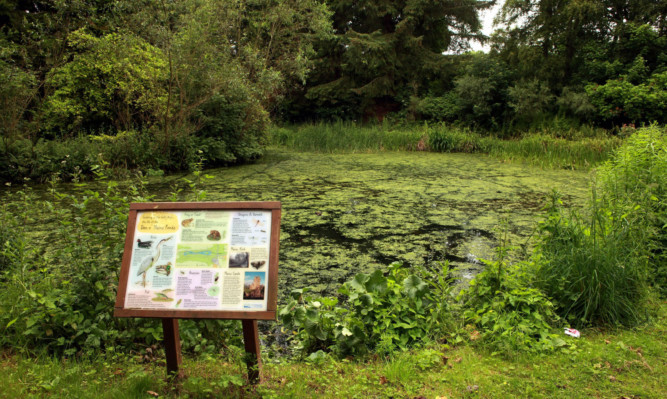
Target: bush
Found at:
x=596, y=265
x=439, y=109
x=116, y=80
x=636, y=179
x=385, y=313
x=620, y=101
x=58, y=291
x=511, y=314
x=74, y=158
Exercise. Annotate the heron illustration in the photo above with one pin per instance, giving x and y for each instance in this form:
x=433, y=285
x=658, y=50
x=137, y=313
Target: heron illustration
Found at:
x=149, y=261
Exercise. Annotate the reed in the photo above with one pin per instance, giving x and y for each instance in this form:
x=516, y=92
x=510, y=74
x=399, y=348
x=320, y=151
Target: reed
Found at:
x=545, y=149
x=346, y=137
x=598, y=265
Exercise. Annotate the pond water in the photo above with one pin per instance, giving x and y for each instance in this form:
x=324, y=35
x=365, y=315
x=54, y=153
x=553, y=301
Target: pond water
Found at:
x=350, y=213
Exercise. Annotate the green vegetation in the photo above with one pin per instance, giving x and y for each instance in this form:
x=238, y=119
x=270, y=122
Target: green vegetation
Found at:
x=569, y=148
x=378, y=314
x=150, y=84
x=60, y=300
x=612, y=364
x=597, y=266
x=397, y=322
x=568, y=61
x=511, y=315
x=165, y=79
x=102, y=88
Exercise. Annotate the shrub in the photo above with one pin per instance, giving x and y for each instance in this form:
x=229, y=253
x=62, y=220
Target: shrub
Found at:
x=439, y=109
x=636, y=179
x=529, y=99
x=576, y=103
x=596, y=265
x=58, y=291
x=397, y=311
x=116, y=80
x=511, y=315
x=620, y=101
x=74, y=158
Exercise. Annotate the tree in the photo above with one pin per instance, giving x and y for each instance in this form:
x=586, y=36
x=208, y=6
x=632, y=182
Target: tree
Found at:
x=383, y=51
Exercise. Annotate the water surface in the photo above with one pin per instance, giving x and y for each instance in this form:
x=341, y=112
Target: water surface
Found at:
x=343, y=214
x=350, y=213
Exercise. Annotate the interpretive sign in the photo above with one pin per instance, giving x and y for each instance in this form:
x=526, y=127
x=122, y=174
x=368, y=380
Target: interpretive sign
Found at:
x=214, y=260
x=200, y=260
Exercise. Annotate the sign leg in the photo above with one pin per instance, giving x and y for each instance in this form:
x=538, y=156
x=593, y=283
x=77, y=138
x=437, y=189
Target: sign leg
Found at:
x=252, y=348
x=172, y=346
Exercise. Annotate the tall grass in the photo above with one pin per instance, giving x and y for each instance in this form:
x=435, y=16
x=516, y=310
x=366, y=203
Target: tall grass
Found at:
x=546, y=149
x=347, y=137
x=598, y=265
x=594, y=266
x=549, y=151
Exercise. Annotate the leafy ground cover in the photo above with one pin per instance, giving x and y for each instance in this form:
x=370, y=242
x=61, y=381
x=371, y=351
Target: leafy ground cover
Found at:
x=602, y=363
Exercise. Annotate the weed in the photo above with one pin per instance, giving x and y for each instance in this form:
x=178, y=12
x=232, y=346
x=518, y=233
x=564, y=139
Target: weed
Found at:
x=506, y=313
x=392, y=312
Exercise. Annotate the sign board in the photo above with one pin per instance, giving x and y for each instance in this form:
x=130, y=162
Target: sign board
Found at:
x=200, y=260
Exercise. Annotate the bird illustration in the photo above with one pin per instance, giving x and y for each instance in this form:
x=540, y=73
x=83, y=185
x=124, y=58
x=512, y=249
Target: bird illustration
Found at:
x=149, y=261
x=163, y=269
x=258, y=264
x=144, y=244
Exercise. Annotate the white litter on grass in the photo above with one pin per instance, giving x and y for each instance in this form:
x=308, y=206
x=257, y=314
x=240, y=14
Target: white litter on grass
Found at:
x=572, y=332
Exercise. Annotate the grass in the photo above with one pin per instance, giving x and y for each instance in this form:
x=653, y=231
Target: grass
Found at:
x=610, y=364
x=546, y=149
x=346, y=137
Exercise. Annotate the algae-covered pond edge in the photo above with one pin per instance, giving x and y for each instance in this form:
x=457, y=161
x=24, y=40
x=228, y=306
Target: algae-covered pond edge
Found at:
x=350, y=213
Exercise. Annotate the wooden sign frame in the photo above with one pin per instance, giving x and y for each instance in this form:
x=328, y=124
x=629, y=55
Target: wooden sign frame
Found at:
x=169, y=316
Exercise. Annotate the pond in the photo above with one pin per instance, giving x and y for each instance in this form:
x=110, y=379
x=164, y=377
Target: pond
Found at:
x=350, y=213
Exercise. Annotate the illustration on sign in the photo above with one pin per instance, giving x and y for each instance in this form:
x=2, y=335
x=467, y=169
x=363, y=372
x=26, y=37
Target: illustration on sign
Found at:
x=199, y=260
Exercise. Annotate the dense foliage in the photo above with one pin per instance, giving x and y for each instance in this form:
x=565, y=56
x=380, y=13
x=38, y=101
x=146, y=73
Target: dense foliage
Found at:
x=182, y=77
x=597, y=265
x=379, y=313
x=60, y=300
x=552, y=63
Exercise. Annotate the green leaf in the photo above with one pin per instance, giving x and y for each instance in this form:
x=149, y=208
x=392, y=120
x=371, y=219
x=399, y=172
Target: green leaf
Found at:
x=377, y=283
x=414, y=287
x=358, y=283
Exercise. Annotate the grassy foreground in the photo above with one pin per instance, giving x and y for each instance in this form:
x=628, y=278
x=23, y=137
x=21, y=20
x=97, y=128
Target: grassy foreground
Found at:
x=609, y=364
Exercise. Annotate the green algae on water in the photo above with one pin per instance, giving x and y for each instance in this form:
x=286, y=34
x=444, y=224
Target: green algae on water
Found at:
x=350, y=213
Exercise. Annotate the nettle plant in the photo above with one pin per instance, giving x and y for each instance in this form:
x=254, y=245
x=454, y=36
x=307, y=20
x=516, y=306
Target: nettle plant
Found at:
x=378, y=312
x=509, y=315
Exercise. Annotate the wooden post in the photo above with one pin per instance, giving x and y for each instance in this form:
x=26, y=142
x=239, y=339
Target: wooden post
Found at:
x=172, y=346
x=252, y=348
